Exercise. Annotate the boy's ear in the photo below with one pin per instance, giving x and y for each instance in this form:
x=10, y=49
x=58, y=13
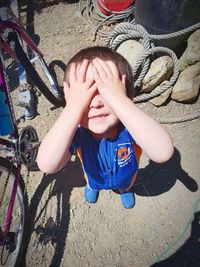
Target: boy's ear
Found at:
x=123, y=79
x=65, y=85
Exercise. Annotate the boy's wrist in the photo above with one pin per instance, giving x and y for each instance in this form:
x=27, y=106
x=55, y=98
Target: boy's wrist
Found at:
x=117, y=100
x=73, y=112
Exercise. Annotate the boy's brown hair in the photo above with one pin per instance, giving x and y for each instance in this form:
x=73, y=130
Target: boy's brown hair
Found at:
x=105, y=53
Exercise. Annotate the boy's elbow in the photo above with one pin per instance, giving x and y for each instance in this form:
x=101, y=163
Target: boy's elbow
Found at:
x=45, y=167
x=48, y=166
x=165, y=155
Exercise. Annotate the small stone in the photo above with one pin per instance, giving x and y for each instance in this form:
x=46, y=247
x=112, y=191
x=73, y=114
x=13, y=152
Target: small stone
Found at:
x=131, y=50
x=187, y=86
x=162, y=98
x=192, y=53
x=160, y=70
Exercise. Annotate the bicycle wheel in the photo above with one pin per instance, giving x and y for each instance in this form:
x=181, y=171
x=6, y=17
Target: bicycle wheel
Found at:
x=34, y=64
x=12, y=246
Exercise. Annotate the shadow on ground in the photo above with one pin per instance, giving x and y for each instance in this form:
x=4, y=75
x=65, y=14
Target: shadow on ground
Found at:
x=153, y=180
x=50, y=230
x=38, y=5
x=156, y=179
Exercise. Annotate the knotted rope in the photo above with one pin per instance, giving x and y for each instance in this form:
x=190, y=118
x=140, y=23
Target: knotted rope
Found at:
x=137, y=32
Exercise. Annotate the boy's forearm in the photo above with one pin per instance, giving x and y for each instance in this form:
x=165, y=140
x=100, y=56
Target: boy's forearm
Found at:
x=148, y=134
x=54, y=149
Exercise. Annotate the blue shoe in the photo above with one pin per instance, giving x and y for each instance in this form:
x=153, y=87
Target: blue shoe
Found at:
x=91, y=195
x=128, y=200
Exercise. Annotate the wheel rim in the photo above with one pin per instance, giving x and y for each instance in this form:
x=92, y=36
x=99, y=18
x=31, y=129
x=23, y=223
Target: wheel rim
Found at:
x=11, y=247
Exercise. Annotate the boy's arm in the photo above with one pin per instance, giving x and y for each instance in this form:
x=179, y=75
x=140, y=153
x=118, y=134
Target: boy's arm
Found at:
x=148, y=134
x=54, y=152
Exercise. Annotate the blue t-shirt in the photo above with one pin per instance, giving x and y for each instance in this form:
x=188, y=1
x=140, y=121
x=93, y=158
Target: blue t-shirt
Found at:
x=107, y=163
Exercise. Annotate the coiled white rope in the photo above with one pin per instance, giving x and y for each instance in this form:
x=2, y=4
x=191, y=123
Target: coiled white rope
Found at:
x=129, y=31
x=94, y=14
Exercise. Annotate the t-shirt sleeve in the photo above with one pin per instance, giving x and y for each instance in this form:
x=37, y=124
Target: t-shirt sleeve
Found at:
x=76, y=142
x=136, y=147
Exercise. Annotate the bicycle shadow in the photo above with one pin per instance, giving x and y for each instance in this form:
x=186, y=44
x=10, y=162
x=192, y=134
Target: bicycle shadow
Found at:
x=32, y=6
x=38, y=5
x=156, y=179
x=189, y=253
x=53, y=230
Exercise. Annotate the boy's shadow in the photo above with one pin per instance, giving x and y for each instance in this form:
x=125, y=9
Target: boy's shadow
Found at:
x=156, y=179
x=40, y=222
x=189, y=253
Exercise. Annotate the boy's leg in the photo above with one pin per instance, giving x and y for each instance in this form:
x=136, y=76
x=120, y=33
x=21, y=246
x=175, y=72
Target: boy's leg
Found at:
x=127, y=196
x=91, y=195
x=127, y=200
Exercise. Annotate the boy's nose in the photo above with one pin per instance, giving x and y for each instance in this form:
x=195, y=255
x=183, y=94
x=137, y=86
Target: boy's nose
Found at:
x=97, y=101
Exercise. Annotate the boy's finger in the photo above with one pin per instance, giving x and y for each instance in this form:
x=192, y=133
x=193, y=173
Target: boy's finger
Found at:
x=83, y=70
x=65, y=86
x=72, y=73
x=100, y=68
x=105, y=66
x=93, y=88
x=65, y=89
x=96, y=75
x=113, y=68
x=89, y=82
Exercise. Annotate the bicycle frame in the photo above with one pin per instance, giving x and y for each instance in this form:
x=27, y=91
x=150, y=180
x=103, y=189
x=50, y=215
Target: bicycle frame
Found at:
x=11, y=143
x=12, y=41
x=19, y=147
x=16, y=26
x=11, y=146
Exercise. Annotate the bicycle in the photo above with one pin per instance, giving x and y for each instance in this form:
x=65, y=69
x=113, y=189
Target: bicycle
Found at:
x=12, y=32
x=18, y=148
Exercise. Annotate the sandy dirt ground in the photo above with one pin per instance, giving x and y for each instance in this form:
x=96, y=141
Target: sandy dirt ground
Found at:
x=64, y=230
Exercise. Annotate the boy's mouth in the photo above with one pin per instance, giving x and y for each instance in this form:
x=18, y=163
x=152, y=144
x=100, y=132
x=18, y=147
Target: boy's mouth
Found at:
x=99, y=116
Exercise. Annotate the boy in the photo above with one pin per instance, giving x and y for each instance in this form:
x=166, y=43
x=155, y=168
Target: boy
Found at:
x=105, y=127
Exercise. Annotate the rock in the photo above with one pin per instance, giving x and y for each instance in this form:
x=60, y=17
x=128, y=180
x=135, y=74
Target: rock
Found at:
x=187, y=86
x=183, y=62
x=161, y=99
x=192, y=53
x=131, y=50
x=160, y=70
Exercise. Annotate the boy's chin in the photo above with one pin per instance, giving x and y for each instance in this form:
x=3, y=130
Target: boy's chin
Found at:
x=103, y=132
x=97, y=129
x=100, y=128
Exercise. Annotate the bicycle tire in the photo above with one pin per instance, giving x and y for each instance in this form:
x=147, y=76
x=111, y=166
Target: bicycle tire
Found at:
x=19, y=216
x=56, y=100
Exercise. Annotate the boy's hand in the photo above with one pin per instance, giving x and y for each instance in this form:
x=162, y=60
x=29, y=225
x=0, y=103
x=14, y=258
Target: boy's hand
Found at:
x=108, y=81
x=79, y=91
